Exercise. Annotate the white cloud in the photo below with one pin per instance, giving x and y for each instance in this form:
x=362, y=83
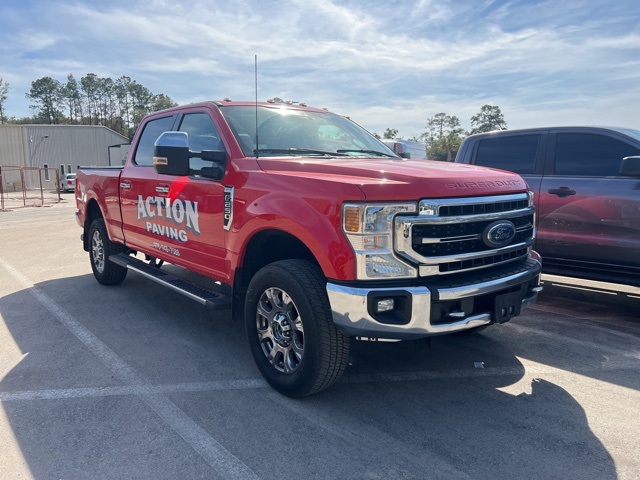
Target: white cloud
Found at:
x=389, y=64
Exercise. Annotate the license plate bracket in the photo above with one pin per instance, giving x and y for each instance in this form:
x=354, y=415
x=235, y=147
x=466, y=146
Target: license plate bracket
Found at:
x=507, y=305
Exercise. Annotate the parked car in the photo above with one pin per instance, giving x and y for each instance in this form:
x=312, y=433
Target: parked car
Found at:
x=586, y=182
x=407, y=148
x=68, y=183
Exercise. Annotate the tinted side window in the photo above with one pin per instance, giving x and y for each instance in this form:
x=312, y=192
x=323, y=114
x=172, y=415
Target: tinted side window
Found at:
x=151, y=132
x=202, y=136
x=202, y=132
x=590, y=155
x=513, y=153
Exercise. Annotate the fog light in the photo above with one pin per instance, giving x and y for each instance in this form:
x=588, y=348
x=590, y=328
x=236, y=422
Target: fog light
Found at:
x=386, y=305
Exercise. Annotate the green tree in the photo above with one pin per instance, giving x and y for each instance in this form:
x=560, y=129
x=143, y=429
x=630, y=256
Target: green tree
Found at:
x=390, y=134
x=47, y=98
x=119, y=104
x=488, y=119
x=141, y=98
x=162, y=101
x=122, y=88
x=73, y=97
x=4, y=90
x=22, y=121
x=105, y=97
x=89, y=84
x=443, y=137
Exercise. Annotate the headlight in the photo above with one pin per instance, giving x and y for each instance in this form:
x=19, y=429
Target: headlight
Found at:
x=369, y=229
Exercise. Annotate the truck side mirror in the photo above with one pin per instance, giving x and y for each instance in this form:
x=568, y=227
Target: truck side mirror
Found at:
x=215, y=156
x=630, y=167
x=171, y=154
x=218, y=159
x=399, y=149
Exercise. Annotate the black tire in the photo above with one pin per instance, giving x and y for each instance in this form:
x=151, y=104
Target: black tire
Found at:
x=288, y=319
x=100, y=249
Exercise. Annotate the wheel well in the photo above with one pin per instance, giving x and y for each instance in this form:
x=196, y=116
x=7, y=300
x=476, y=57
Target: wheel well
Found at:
x=264, y=248
x=92, y=212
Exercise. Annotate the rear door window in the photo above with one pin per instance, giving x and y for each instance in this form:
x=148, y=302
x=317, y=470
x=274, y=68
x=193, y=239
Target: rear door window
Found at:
x=515, y=153
x=583, y=154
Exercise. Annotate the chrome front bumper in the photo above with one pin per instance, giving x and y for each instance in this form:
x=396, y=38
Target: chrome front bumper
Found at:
x=351, y=306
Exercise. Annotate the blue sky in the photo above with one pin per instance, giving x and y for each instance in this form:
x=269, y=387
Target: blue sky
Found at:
x=383, y=63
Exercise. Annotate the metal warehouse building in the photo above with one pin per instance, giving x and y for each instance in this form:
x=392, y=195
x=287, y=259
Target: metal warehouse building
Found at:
x=64, y=147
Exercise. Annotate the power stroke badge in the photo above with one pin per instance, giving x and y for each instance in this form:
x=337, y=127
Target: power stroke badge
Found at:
x=228, y=207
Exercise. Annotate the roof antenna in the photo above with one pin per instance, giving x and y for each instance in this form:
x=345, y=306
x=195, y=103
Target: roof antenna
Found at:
x=256, y=80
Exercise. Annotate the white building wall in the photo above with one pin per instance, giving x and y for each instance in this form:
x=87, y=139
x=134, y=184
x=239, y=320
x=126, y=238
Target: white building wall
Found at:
x=72, y=145
x=56, y=145
x=12, y=146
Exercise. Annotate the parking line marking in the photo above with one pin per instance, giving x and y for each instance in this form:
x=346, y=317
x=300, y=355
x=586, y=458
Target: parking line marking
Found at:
x=218, y=457
x=123, y=390
x=250, y=384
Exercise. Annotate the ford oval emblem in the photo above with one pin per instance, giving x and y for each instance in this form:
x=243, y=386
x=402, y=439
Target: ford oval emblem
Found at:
x=498, y=234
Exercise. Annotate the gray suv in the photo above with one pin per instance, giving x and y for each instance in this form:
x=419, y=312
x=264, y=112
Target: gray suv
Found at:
x=586, y=182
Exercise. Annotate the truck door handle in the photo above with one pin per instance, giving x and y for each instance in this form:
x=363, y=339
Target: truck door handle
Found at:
x=562, y=191
x=162, y=189
x=126, y=185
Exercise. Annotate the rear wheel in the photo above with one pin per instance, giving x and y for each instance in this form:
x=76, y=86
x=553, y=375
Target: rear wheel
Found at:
x=290, y=329
x=105, y=271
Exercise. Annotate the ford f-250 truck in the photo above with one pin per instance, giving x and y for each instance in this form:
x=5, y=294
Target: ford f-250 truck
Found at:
x=317, y=230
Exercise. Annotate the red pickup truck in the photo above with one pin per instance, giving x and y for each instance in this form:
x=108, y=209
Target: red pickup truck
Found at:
x=314, y=229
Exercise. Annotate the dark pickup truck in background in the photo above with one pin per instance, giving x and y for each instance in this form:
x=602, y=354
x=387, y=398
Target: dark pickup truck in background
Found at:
x=586, y=182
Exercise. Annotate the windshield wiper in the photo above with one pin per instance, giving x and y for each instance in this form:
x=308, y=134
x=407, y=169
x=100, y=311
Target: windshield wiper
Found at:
x=370, y=152
x=299, y=151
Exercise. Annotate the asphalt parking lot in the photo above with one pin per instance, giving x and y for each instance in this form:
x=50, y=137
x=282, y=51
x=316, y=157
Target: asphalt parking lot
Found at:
x=135, y=381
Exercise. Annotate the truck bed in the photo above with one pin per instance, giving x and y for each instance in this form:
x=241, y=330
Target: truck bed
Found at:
x=103, y=183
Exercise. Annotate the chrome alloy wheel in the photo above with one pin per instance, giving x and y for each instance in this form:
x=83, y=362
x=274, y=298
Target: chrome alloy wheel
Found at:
x=280, y=330
x=97, y=251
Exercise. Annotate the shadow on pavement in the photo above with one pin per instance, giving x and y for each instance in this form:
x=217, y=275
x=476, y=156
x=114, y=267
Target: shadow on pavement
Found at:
x=451, y=421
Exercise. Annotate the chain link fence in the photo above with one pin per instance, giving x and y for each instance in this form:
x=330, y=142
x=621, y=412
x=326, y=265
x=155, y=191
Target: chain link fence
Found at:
x=28, y=187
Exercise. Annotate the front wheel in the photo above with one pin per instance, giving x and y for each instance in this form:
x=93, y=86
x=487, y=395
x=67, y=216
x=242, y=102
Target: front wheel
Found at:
x=105, y=271
x=290, y=329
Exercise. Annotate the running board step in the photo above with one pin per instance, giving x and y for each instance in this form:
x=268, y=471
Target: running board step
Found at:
x=204, y=296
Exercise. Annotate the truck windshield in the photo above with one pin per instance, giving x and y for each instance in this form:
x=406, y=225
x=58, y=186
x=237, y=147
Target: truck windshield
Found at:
x=290, y=132
x=632, y=133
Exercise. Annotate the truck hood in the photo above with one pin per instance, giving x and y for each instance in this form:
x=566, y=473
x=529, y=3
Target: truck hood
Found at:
x=399, y=179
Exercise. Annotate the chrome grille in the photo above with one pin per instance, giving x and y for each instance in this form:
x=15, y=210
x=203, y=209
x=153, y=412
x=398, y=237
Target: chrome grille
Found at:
x=482, y=208
x=447, y=236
